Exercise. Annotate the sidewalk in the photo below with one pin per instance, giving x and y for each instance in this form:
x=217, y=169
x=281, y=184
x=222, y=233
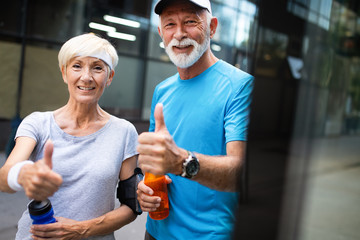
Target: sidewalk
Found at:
x=13, y=205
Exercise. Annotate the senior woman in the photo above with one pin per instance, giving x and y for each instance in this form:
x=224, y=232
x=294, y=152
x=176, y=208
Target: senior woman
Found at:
x=89, y=151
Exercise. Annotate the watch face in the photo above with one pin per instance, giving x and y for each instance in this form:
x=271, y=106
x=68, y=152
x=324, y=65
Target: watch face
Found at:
x=192, y=168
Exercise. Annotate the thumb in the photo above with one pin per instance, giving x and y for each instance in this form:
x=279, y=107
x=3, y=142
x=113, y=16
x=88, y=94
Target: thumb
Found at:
x=159, y=118
x=48, y=151
x=168, y=179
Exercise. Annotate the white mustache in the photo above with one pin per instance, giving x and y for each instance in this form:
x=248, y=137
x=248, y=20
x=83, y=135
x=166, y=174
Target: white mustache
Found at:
x=182, y=43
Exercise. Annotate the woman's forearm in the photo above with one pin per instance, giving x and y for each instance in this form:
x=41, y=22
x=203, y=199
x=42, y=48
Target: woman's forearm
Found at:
x=109, y=222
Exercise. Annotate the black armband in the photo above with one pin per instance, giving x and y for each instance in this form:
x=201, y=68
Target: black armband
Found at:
x=126, y=191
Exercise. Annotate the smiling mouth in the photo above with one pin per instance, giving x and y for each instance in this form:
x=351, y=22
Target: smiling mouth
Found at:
x=182, y=46
x=86, y=88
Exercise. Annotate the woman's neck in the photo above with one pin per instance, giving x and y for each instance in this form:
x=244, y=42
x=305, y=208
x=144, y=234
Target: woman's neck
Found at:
x=81, y=119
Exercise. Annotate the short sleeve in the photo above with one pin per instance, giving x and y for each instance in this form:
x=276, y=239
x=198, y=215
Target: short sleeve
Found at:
x=29, y=127
x=237, y=112
x=131, y=142
x=153, y=104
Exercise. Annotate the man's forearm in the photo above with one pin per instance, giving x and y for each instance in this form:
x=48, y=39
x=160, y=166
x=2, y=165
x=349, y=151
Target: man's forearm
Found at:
x=219, y=173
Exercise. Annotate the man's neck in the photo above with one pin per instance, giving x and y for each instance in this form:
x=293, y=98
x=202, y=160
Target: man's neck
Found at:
x=207, y=60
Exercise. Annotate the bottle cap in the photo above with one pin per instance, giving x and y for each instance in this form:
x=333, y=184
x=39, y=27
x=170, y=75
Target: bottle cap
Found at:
x=37, y=208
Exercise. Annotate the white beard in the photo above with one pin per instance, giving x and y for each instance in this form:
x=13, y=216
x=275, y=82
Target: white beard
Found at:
x=184, y=60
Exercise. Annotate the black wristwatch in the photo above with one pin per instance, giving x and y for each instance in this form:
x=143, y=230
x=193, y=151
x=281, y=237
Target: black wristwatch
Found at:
x=191, y=166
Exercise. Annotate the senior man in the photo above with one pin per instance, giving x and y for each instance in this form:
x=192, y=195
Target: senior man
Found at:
x=198, y=129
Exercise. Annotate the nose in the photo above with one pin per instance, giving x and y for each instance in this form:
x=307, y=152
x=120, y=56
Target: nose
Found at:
x=86, y=74
x=180, y=33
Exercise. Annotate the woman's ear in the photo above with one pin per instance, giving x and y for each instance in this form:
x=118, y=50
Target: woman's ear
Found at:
x=63, y=73
x=111, y=76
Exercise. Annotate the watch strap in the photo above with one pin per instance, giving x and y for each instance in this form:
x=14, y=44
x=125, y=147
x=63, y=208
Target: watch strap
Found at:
x=186, y=160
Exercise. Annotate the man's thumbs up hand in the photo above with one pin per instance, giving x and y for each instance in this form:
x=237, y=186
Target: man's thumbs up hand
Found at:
x=159, y=118
x=158, y=152
x=39, y=180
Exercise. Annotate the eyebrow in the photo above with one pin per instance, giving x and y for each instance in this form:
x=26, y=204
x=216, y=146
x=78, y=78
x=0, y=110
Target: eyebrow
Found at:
x=168, y=17
x=96, y=60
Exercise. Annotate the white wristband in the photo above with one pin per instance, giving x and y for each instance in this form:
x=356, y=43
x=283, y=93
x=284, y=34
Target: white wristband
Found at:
x=13, y=174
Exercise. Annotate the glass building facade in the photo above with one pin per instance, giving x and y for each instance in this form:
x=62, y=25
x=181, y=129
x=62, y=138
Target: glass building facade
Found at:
x=33, y=31
x=301, y=176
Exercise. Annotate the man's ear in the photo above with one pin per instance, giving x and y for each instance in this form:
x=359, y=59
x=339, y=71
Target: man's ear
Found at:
x=213, y=26
x=159, y=31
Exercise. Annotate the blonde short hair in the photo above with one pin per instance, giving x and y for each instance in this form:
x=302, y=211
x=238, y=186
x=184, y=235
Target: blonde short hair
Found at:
x=88, y=45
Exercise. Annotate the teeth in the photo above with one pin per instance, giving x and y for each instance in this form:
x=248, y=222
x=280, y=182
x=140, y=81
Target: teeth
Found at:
x=182, y=46
x=86, y=88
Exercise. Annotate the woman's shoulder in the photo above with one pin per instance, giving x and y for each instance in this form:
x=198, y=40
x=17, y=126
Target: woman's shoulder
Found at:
x=39, y=116
x=35, y=125
x=121, y=123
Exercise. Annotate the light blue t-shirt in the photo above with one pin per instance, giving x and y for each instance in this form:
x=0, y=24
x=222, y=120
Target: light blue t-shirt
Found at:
x=202, y=114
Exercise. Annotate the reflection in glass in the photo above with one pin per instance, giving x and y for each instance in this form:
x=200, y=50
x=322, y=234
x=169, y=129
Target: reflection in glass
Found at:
x=324, y=174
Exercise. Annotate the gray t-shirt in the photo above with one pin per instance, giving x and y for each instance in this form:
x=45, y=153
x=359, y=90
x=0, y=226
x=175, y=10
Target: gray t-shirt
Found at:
x=89, y=165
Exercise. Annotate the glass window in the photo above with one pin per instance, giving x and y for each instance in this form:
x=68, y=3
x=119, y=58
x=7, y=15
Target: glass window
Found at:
x=225, y=31
x=131, y=26
x=43, y=87
x=315, y=11
x=10, y=16
x=325, y=8
x=55, y=20
x=9, y=67
x=324, y=23
x=271, y=52
x=314, y=5
x=156, y=47
x=325, y=153
x=245, y=31
x=248, y=8
x=154, y=77
x=313, y=17
x=125, y=31
x=123, y=96
x=300, y=11
x=302, y=2
x=243, y=61
x=140, y=8
x=230, y=3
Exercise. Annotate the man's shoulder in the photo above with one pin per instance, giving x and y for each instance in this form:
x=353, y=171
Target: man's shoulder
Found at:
x=168, y=81
x=231, y=70
x=233, y=75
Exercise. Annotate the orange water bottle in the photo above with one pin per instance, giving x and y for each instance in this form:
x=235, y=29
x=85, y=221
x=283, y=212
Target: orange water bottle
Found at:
x=158, y=184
